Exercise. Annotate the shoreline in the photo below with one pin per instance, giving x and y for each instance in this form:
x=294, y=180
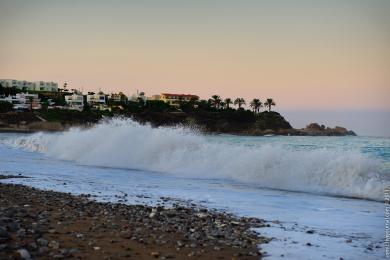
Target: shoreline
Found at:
x=48, y=224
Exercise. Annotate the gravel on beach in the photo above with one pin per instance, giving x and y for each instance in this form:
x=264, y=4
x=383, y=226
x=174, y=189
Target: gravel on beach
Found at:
x=38, y=224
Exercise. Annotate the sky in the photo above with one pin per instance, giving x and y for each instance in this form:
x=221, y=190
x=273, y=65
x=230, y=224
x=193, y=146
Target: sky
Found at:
x=326, y=57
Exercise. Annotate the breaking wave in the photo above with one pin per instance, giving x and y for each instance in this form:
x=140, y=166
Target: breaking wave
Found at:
x=126, y=144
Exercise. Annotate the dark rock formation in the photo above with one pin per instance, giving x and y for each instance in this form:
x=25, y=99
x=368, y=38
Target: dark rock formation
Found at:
x=315, y=129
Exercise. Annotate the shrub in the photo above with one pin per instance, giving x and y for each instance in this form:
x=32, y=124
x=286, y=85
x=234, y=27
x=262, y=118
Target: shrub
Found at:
x=5, y=107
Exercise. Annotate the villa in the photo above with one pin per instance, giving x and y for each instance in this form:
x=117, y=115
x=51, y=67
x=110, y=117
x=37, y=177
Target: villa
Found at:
x=175, y=99
x=75, y=101
x=23, y=101
x=96, y=99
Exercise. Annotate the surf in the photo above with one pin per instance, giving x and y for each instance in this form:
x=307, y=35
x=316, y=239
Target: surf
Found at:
x=123, y=143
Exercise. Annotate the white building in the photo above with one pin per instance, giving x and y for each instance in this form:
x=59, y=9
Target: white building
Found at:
x=23, y=101
x=28, y=85
x=45, y=86
x=96, y=99
x=154, y=97
x=75, y=101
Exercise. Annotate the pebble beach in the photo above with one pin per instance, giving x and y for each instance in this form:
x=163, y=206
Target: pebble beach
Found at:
x=38, y=224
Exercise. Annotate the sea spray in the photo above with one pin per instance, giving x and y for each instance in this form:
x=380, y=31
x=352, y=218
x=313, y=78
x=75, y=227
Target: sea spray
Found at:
x=123, y=143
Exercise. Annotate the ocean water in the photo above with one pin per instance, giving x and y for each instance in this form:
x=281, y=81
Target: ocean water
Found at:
x=332, y=187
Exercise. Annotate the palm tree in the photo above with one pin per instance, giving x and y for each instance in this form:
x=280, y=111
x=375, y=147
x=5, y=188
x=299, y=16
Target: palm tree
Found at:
x=222, y=105
x=269, y=103
x=228, y=101
x=239, y=102
x=256, y=105
x=216, y=101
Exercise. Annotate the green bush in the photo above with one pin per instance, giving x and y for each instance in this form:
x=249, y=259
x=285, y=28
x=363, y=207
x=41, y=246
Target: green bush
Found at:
x=157, y=106
x=5, y=107
x=8, y=91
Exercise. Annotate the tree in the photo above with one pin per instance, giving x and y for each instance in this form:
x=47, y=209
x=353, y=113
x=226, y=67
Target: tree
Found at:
x=5, y=106
x=141, y=102
x=269, y=103
x=256, y=105
x=6, y=91
x=203, y=105
x=45, y=105
x=239, y=102
x=180, y=101
x=216, y=101
x=123, y=97
x=228, y=101
x=65, y=87
x=194, y=99
x=157, y=106
x=193, y=103
x=86, y=107
x=31, y=102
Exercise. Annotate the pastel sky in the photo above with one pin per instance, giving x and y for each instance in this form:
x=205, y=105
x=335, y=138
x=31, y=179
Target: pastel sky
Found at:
x=307, y=55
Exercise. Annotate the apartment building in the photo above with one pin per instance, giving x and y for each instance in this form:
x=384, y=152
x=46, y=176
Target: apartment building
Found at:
x=30, y=86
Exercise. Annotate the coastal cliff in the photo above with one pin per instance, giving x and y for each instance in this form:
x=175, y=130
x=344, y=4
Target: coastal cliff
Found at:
x=239, y=122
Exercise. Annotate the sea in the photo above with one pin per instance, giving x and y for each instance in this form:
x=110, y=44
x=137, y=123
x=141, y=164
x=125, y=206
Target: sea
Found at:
x=324, y=197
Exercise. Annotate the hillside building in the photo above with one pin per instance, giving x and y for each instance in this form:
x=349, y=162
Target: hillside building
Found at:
x=175, y=99
x=30, y=86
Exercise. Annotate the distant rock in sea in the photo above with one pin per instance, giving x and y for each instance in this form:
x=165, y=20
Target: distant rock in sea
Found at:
x=314, y=129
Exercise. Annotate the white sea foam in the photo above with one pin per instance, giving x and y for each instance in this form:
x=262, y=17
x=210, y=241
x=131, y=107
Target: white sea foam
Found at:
x=127, y=144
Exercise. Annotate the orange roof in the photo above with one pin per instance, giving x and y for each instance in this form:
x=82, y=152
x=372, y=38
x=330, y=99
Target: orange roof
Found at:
x=180, y=95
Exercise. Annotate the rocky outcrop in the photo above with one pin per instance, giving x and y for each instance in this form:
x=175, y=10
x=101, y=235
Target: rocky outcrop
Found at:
x=315, y=129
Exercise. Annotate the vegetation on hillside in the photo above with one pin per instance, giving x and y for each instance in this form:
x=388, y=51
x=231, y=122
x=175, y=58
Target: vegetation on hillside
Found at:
x=215, y=114
x=72, y=116
x=5, y=107
x=8, y=91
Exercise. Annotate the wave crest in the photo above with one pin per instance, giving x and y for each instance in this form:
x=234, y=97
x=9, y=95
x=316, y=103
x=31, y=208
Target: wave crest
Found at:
x=126, y=144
